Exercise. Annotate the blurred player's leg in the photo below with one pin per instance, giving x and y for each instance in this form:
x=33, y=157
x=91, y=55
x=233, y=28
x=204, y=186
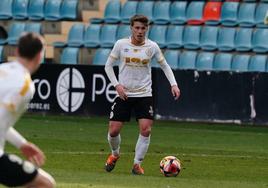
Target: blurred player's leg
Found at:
x=42, y=180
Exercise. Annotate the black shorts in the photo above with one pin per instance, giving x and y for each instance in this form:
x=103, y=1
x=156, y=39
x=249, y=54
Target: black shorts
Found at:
x=16, y=172
x=121, y=110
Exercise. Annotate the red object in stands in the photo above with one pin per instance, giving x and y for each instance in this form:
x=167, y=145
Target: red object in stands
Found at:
x=212, y=11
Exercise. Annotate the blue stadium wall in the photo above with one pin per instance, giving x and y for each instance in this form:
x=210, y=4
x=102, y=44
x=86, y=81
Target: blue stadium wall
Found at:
x=205, y=96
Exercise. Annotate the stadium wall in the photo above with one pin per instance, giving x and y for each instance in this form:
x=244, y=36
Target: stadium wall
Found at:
x=205, y=96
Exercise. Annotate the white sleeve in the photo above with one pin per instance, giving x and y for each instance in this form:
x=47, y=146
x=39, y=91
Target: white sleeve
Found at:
x=114, y=56
x=15, y=138
x=110, y=71
x=164, y=66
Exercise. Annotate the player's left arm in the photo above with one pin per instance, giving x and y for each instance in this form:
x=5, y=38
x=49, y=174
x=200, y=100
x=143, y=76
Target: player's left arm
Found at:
x=168, y=72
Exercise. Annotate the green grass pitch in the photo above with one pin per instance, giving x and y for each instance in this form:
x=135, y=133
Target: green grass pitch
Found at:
x=224, y=156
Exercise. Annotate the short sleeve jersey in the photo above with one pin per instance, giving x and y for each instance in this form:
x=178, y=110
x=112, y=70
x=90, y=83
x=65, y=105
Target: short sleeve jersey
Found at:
x=135, y=65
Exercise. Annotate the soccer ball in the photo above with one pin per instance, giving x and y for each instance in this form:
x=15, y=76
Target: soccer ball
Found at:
x=170, y=166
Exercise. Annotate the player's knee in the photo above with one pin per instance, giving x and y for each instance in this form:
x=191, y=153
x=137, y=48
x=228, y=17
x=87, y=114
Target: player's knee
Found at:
x=45, y=179
x=114, y=129
x=146, y=131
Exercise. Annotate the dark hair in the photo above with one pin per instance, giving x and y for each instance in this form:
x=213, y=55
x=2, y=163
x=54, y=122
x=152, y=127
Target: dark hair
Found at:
x=139, y=18
x=29, y=45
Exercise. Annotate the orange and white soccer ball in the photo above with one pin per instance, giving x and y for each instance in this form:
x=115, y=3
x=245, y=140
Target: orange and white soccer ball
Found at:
x=170, y=166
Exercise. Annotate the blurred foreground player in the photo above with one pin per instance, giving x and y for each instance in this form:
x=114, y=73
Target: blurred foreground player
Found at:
x=16, y=90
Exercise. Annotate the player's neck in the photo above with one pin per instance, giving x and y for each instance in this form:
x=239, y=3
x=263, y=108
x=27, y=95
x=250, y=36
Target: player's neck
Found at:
x=26, y=64
x=136, y=42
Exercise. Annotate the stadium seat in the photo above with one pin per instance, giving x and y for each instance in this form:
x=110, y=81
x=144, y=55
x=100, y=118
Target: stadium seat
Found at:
x=243, y=39
x=70, y=55
x=33, y=27
x=240, y=63
x=112, y=12
x=157, y=33
x=260, y=40
x=69, y=10
x=129, y=9
x=15, y=31
x=246, y=14
x=1, y=54
x=36, y=9
x=172, y=58
x=194, y=13
x=20, y=9
x=205, y=61
x=174, y=37
x=161, y=12
x=52, y=10
x=123, y=31
x=178, y=12
x=108, y=36
x=209, y=36
x=146, y=8
x=229, y=13
x=212, y=13
x=191, y=37
x=101, y=56
x=92, y=36
x=257, y=63
x=187, y=60
x=260, y=13
x=226, y=38
x=75, y=37
x=6, y=9
x=222, y=62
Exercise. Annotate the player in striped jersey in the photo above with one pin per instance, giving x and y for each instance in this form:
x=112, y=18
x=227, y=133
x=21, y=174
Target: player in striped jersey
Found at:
x=16, y=90
x=134, y=89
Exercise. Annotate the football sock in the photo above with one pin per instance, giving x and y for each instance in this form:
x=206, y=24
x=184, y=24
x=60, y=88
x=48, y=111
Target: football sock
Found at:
x=141, y=148
x=114, y=143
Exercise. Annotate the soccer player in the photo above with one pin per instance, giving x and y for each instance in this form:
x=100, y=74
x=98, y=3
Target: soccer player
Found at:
x=16, y=90
x=134, y=89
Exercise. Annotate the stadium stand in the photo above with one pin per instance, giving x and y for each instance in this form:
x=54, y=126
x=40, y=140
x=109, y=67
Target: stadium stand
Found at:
x=194, y=13
x=101, y=56
x=69, y=10
x=222, y=62
x=36, y=9
x=226, y=38
x=257, y=63
x=6, y=10
x=108, y=35
x=187, y=60
x=128, y=10
x=33, y=27
x=123, y=31
x=246, y=14
x=191, y=37
x=205, y=61
x=20, y=9
x=70, y=55
x=260, y=40
x=146, y=8
x=157, y=33
x=209, y=36
x=178, y=12
x=229, y=13
x=260, y=14
x=174, y=37
x=15, y=31
x=212, y=13
x=161, y=12
x=92, y=36
x=1, y=54
x=240, y=63
x=172, y=57
x=243, y=39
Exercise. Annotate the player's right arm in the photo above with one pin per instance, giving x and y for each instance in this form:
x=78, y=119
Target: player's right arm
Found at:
x=114, y=56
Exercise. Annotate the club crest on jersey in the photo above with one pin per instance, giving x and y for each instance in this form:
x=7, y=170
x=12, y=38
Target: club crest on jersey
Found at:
x=149, y=52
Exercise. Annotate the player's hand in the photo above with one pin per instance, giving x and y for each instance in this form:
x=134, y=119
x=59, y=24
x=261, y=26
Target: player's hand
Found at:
x=121, y=91
x=175, y=92
x=33, y=153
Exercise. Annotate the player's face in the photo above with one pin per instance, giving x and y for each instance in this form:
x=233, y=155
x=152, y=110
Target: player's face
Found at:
x=139, y=32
